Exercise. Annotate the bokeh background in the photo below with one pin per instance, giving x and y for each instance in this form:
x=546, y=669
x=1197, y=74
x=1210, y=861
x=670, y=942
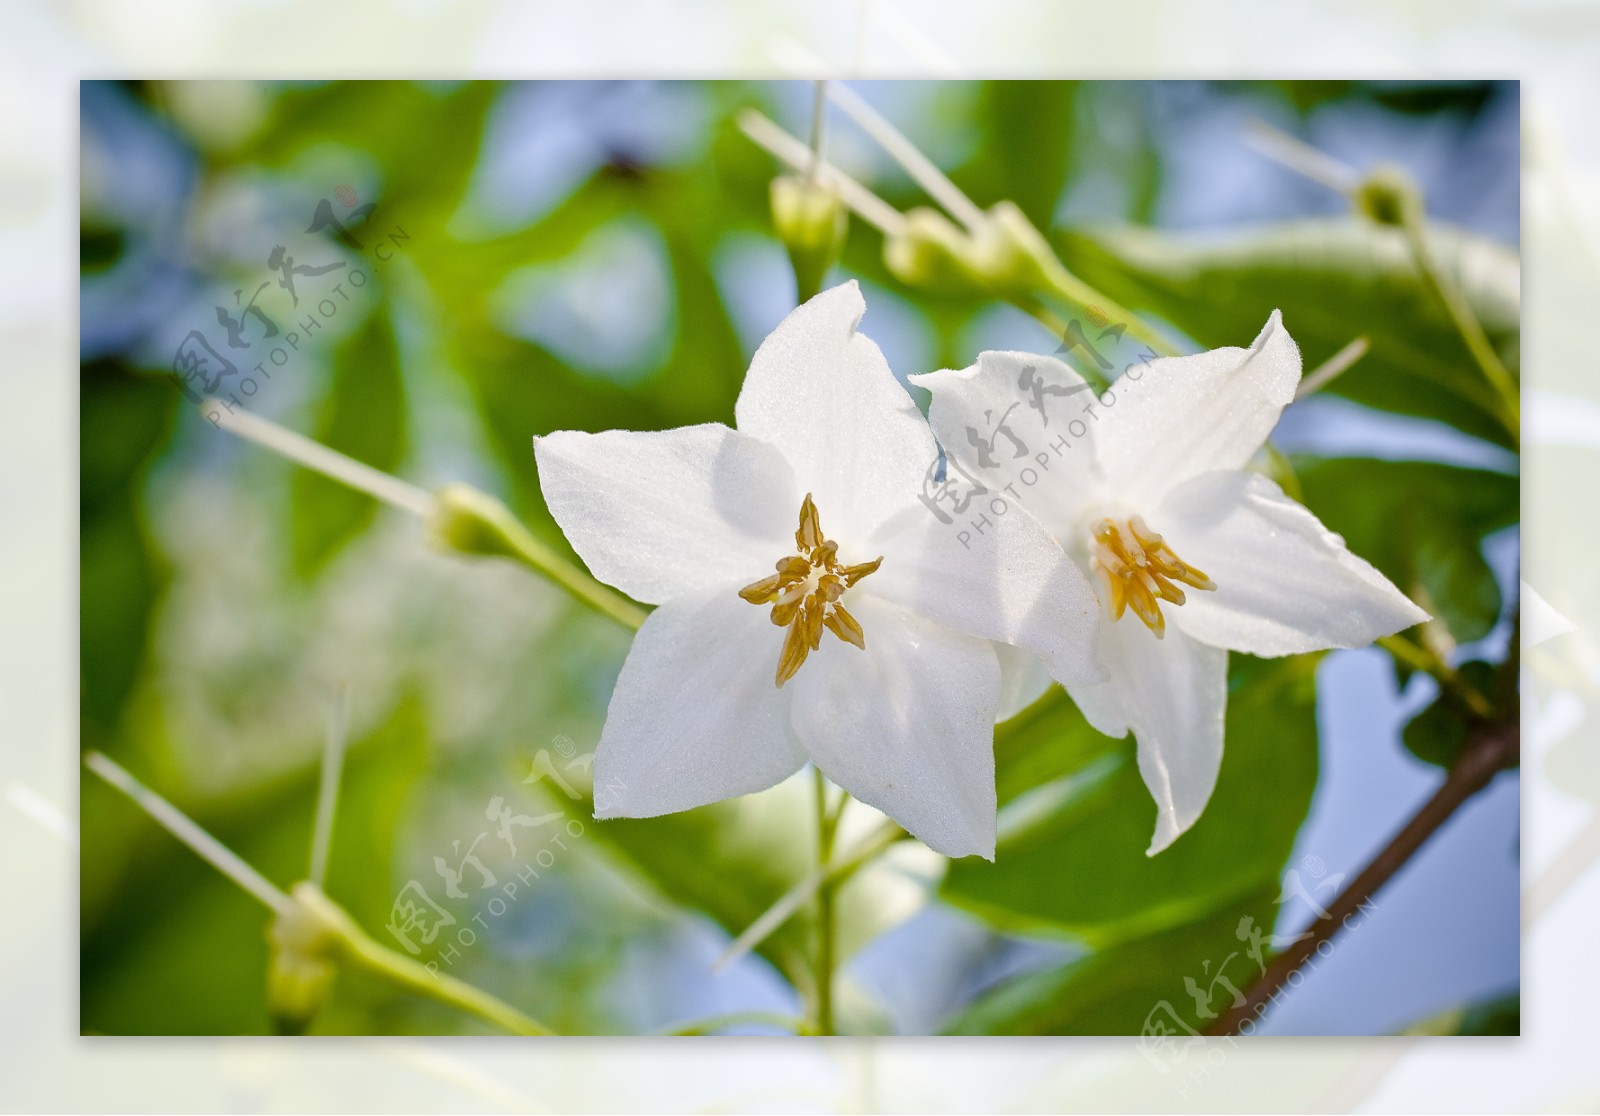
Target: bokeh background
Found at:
x=48, y=47
x=522, y=258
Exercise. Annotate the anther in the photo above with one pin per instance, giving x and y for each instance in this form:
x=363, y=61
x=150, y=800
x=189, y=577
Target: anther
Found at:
x=1137, y=571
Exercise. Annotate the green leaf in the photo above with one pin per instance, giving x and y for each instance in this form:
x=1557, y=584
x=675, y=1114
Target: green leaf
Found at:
x=1423, y=525
x=1439, y=733
x=362, y=415
x=1071, y=856
x=1029, y=136
x=124, y=421
x=1044, y=743
x=1117, y=991
x=1334, y=280
x=1499, y=1015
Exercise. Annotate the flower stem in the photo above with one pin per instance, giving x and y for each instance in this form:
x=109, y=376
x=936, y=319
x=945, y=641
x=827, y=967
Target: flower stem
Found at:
x=459, y=517
x=1079, y=297
x=473, y=522
x=870, y=848
x=827, y=826
x=1332, y=368
x=1447, y=676
x=353, y=946
x=1444, y=288
x=1492, y=749
x=320, y=459
x=780, y=144
x=181, y=826
x=344, y=938
x=903, y=151
x=819, y=112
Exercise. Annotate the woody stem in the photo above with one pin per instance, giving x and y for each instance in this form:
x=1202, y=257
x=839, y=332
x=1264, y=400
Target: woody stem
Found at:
x=1492, y=748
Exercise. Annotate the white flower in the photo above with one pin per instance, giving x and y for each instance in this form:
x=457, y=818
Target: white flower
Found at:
x=812, y=605
x=1146, y=487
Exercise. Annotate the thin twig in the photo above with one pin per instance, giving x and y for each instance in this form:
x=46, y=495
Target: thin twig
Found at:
x=328, y=786
x=319, y=458
x=872, y=209
x=921, y=168
x=870, y=848
x=177, y=823
x=1332, y=368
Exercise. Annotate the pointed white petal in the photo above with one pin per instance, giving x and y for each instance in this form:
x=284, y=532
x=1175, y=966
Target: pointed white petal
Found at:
x=1178, y=417
x=1101, y=704
x=1285, y=583
x=907, y=725
x=1023, y=680
x=824, y=395
x=1007, y=581
x=695, y=716
x=664, y=513
x=1019, y=420
x=1173, y=694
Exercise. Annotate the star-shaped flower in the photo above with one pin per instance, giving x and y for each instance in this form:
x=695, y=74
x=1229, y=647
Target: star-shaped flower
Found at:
x=812, y=605
x=1191, y=554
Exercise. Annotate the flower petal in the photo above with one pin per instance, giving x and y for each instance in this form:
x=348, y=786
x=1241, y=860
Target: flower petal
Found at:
x=824, y=395
x=1178, y=417
x=1173, y=694
x=1006, y=581
x=1285, y=583
x=1023, y=680
x=996, y=431
x=907, y=724
x=664, y=513
x=695, y=716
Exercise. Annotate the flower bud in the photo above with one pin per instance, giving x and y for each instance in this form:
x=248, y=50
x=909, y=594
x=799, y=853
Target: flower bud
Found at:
x=812, y=221
x=473, y=522
x=303, y=963
x=929, y=251
x=1013, y=257
x=1388, y=196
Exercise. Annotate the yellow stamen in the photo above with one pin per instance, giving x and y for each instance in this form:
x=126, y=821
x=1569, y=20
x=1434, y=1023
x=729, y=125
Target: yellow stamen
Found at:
x=843, y=625
x=1138, y=570
x=809, y=536
x=760, y=592
x=807, y=591
x=853, y=574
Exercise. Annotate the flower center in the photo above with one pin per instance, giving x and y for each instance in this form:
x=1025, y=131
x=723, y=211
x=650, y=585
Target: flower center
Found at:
x=805, y=592
x=1138, y=569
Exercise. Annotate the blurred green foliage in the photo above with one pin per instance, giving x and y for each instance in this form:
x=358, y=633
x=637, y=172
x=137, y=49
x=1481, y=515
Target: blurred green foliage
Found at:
x=225, y=594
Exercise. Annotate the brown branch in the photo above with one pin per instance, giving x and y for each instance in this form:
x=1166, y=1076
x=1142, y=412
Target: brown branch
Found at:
x=1490, y=749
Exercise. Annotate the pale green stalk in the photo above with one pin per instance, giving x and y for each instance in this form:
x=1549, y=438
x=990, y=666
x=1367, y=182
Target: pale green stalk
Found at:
x=341, y=936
